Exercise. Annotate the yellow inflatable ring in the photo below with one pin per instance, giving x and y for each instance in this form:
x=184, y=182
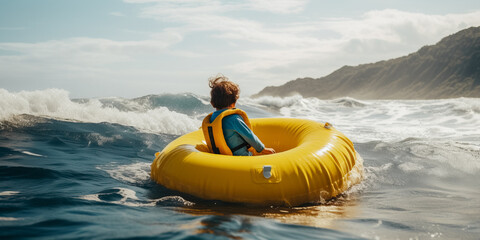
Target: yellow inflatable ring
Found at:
x=314, y=162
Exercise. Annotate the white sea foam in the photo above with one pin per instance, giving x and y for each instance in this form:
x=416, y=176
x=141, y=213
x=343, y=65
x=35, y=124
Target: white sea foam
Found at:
x=273, y=102
x=9, y=219
x=386, y=120
x=374, y=174
x=8, y=193
x=100, y=140
x=32, y=154
x=134, y=173
x=177, y=200
x=55, y=103
x=463, y=157
x=355, y=176
x=128, y=197
x=410, y=167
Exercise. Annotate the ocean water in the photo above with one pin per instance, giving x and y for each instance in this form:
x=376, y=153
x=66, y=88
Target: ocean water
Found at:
x=80, y=169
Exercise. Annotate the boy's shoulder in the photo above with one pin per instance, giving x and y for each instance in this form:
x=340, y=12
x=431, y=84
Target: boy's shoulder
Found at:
x=233, y=117
x=233, y=120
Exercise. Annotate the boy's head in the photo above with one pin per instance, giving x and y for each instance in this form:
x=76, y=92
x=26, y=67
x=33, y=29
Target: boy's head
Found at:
x=224, y=92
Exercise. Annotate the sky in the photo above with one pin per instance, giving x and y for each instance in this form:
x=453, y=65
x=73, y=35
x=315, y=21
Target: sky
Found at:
x=133, y=48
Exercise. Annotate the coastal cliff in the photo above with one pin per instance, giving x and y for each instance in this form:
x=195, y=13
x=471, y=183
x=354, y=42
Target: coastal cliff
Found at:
x=448, y=69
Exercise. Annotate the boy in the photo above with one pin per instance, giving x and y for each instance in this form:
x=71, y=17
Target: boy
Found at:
x=228, y=130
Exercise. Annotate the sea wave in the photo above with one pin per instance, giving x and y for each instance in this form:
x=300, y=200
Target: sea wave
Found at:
x=389, y=120
x=73, y=168
x=56, y=104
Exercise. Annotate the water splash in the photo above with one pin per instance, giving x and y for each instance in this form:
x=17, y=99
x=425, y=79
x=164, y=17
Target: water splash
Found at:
x=55, y=103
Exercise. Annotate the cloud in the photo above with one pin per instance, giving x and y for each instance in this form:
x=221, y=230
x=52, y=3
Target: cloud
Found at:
x=87, y=51
x=77, y=64
x=375, y=36
x=204, y=37
x=396, y=26
x=214, y=16
x=391, y=30
x=278, y=6
x=117, y=14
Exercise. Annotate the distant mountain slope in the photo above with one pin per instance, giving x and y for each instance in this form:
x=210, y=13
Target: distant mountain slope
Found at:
x=449, y=69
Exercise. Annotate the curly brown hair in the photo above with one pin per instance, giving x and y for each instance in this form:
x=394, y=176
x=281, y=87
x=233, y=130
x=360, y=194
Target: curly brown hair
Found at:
x=224, y=92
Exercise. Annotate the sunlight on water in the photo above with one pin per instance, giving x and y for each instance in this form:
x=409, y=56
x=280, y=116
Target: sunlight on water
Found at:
x=81, y=169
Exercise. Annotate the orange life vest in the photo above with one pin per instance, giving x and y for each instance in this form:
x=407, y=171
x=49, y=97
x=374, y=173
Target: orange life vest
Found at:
x=213, y=132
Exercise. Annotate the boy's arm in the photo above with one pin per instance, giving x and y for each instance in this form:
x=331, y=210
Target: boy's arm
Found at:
x=247, y=134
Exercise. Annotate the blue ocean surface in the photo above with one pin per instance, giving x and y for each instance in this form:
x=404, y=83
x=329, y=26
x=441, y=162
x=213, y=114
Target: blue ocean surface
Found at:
x=80, y=169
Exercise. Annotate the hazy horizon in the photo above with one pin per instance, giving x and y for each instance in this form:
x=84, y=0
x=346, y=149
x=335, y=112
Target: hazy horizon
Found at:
x=134, y=48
